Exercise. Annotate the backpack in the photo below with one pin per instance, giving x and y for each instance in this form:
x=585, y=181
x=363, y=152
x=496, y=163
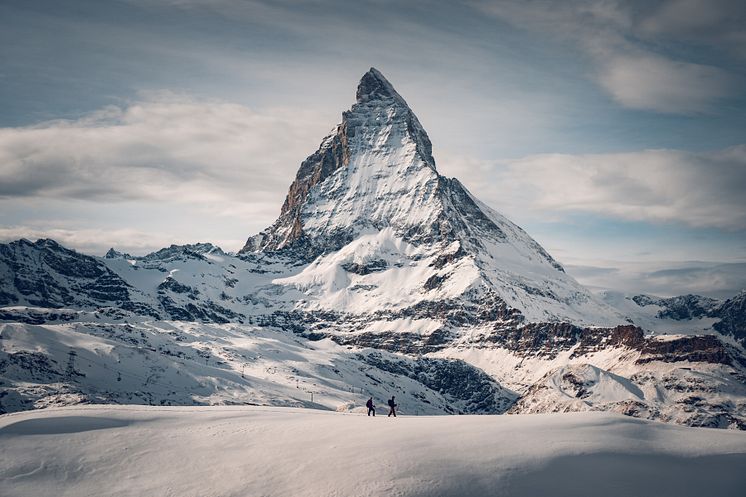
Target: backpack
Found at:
x=391, y=403
x=369, y=404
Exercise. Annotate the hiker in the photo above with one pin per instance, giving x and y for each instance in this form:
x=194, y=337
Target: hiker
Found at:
x=371, y=407
x=392, y=406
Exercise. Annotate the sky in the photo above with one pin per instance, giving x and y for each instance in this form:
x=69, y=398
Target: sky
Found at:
x=613, y=132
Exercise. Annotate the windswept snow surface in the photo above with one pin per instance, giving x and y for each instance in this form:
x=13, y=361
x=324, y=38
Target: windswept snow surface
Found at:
x=396, y=280
x=221, y=451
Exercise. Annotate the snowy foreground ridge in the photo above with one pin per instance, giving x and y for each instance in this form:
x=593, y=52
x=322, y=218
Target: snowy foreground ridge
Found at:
x=254, y=451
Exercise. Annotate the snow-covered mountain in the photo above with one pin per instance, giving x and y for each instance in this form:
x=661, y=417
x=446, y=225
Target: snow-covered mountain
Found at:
x=379, y=276
x=384, y=230
x=685, y=314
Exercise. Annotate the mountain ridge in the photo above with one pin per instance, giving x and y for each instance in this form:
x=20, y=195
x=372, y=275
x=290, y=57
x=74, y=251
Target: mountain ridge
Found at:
x=374, y=176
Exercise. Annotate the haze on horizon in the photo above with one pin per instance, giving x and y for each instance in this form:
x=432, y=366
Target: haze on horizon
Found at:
x=612, y=132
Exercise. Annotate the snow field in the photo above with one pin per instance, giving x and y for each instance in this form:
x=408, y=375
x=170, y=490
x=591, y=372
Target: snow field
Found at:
x=221, y=451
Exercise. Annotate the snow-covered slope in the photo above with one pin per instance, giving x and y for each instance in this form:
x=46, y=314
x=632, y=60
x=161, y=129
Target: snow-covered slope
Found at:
x=83, y=357
x=691, y=380
x=183, y=363
x=661, y=392
x=135, y=451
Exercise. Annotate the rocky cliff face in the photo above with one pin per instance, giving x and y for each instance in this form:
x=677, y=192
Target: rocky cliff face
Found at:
x=379, y=130
x=732, y=315
x=727, y=317
x=46, y=274
x=679, y=308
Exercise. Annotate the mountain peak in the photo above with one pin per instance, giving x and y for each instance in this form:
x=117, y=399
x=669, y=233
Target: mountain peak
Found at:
x=359, y=177
x=375, y=173
x=374, y=86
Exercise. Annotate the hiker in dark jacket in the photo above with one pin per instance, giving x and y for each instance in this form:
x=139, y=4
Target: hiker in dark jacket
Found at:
x=392, y=406
x=371, y=407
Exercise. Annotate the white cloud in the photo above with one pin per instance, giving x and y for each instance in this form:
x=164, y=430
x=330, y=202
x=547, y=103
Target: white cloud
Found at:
x=698, y=189
x=665, y=279
x=169, y=156
x=657, y=83
x=630, y=45
x=165, y=147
